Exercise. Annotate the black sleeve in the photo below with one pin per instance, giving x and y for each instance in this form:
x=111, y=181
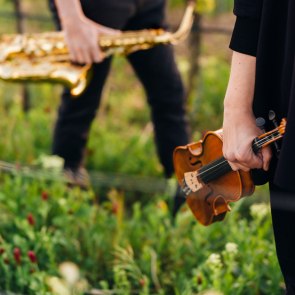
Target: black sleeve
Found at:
x=246, y=30
x=248, y=8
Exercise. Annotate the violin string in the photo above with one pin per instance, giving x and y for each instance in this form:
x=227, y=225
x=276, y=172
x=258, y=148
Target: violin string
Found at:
x=222, y=164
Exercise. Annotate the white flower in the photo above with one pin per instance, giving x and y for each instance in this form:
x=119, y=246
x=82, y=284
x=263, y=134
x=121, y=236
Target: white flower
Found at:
x=52, y=162
x=259, y=210
x=57, y=286
x=70, y=272
x=231, y=248
x=214, y=260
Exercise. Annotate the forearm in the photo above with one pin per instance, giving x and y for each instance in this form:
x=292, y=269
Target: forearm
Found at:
x=240, y=90
x=69, y=9
x=239, y=127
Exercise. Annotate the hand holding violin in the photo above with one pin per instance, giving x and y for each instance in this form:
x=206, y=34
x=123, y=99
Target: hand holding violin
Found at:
x=207, y=178
x=213, y=173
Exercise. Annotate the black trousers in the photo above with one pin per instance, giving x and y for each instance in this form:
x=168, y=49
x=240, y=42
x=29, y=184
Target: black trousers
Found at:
x=156, y=70
x=283, y=218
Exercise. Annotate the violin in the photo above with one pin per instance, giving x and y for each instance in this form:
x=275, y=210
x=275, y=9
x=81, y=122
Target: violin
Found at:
x=207, y=179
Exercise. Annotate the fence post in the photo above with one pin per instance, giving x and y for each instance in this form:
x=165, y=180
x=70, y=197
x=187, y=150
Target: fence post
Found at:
x=20, y=28
x=194, y=55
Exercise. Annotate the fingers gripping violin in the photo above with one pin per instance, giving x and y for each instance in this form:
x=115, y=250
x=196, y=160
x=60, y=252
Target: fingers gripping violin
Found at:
x=207, y=179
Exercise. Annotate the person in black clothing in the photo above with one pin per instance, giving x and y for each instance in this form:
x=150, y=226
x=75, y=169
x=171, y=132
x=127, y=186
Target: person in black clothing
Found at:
x=82, y=22
x=262, y=79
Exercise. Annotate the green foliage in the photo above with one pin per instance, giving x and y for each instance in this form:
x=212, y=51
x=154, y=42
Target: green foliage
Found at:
x=141, y=251
x=223, y=6
x=206, y=108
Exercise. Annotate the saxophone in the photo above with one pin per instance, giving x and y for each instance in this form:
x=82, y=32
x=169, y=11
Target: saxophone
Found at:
x=45, y=57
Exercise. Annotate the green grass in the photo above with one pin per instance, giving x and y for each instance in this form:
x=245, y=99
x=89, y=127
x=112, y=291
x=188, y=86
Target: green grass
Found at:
x=137, y=249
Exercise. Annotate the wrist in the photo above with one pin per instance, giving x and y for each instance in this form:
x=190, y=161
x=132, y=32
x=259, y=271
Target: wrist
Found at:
x=232, y=111
x=69, y=14
x=236, y=104
x=71, y=18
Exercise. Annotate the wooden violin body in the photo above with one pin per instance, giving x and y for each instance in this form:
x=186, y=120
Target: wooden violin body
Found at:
x=211, y=202
x=207, y=178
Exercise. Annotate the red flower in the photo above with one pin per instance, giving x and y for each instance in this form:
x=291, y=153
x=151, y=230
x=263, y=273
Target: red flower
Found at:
x=142, y=282
x=44, y=196
x=31, y=219
x=17, y=255
x=32, y=256
x=2, y=251
x=115, y=207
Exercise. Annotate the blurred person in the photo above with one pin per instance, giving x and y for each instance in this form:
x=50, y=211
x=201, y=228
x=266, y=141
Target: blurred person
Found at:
x=263, y=78
x=83, y=21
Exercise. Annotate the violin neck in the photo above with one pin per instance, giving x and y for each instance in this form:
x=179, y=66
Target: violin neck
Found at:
x=267, y=139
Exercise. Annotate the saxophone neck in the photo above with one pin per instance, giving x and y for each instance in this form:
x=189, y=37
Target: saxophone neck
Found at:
x=186, y=23
x=130, y=41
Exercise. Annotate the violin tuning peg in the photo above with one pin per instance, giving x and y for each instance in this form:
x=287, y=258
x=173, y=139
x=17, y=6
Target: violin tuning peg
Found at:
x=272, y=117
x=260, y=122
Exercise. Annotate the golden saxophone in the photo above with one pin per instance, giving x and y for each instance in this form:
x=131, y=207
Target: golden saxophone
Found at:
x=45, y=56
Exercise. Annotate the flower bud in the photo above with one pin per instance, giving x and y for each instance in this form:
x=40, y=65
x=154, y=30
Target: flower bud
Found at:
x=32, y=256
x=142, y=282
x=17, y=255
x=31, y=219
x=44, y=196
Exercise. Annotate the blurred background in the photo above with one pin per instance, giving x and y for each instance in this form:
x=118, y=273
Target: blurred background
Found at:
x=119, y=237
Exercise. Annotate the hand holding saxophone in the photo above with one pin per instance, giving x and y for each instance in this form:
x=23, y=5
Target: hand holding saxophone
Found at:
x=82, y=39
x=81, y=33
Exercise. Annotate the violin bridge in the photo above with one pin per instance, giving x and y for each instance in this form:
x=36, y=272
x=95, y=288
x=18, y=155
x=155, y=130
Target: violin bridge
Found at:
x=191, y=182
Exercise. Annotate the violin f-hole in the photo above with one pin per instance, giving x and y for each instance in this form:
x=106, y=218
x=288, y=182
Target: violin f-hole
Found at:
x=194, y=162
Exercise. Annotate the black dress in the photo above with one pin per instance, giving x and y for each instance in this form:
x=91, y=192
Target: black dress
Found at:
x=266, y=29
